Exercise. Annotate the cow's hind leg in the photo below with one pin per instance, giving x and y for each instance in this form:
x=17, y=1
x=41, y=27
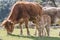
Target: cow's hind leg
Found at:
x=48, y=30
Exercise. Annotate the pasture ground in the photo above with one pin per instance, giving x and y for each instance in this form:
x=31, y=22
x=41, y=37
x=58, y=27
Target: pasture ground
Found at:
x=54, y=35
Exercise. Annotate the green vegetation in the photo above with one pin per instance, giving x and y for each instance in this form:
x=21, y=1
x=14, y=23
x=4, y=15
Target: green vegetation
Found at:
x=53, y=35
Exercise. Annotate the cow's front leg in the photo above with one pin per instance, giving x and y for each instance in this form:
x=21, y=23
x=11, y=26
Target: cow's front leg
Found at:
x=26, y=24
x=21, y=31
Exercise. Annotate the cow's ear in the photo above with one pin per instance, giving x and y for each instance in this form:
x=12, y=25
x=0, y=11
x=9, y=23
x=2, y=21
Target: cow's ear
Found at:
x=10, y=21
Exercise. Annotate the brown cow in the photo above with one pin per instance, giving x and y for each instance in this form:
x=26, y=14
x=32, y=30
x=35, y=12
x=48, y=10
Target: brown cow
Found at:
x=23, y=12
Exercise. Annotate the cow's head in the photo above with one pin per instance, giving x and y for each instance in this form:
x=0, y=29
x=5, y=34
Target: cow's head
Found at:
x=8, y=26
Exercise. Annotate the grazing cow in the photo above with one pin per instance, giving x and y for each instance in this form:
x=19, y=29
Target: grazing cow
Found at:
x=52, y=12
x=23, y=12
x=45, y=24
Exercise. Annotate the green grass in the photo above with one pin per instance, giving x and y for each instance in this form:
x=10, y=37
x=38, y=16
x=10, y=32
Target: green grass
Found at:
x=16, y=35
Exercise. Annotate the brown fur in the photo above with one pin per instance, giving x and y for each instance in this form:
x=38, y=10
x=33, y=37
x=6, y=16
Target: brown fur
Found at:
x=23, y=12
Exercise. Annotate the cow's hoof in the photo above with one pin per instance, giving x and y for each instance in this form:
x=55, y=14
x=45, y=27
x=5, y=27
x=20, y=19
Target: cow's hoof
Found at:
x=21, y=34
x=9, y=34
x=35, y=34
x=28, y=34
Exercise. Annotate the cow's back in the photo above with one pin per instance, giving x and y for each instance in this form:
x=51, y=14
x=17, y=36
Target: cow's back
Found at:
x=23, y=10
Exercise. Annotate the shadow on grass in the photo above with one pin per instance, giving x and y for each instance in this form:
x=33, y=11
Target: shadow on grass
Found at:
x=37, y=38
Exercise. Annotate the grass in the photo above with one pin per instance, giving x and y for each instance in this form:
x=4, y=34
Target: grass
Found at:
x=16, y=35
